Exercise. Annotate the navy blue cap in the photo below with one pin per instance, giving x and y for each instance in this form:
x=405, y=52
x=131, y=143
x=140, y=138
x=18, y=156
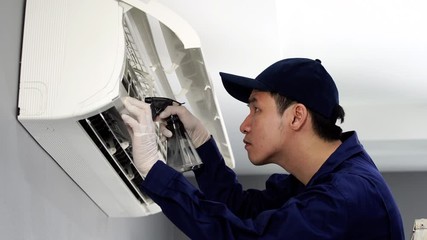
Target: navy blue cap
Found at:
x=300, y=79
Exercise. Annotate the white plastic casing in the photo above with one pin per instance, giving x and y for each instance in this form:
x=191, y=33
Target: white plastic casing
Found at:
x=73, y=61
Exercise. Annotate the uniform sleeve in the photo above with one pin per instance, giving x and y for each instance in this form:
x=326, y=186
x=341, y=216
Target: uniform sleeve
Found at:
x=201, y=218
x=219, y=183
x=189, y=209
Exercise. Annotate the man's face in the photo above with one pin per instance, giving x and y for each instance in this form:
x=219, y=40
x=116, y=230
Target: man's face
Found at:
x=264, y=129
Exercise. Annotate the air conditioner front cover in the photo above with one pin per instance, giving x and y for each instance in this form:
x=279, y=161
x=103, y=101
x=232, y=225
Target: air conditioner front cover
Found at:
x=79, y=58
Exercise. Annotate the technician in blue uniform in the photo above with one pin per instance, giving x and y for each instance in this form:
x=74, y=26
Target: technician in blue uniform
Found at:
x=333, y=189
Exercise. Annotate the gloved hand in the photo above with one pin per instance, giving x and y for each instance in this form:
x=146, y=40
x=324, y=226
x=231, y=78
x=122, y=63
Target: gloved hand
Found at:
x=194, y=127
x=144, y=145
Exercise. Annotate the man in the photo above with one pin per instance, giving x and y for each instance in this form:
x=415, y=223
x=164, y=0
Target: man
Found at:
x=333, y=191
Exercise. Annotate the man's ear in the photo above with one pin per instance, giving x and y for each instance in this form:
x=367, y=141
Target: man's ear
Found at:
x=300, y=115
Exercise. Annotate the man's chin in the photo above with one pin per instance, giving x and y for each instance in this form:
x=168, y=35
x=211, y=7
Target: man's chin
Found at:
x=257, y=162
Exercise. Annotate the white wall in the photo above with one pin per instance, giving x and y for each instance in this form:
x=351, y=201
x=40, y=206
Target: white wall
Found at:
x=38, y=200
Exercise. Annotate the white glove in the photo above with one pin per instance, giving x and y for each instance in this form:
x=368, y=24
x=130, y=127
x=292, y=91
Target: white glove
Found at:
x=194, y=127
x=144, y=145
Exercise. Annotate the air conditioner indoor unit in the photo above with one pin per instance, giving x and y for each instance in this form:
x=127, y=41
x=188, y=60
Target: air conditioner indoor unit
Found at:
x=79, y=58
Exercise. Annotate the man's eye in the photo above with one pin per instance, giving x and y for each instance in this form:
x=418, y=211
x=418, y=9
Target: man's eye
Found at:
x=256, y=109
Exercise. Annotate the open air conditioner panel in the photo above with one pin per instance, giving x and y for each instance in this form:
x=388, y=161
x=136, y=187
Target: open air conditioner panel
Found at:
x=75, y=69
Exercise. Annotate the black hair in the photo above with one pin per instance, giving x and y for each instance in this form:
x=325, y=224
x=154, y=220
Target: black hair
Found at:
x=326, y=128
x=323, y=127
x=282, y=102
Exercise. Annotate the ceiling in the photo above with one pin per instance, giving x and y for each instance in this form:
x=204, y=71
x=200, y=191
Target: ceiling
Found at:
x=375, y=51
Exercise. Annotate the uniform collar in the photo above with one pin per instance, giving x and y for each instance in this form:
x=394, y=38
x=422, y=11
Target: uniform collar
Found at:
x=350, y=145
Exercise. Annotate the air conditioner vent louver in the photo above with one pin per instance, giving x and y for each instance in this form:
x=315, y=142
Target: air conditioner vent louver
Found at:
x=109, y=134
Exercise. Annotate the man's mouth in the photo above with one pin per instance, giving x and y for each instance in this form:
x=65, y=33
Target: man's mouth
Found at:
x=247, y=143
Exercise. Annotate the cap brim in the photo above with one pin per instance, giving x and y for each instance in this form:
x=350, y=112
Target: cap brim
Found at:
x=240, y=87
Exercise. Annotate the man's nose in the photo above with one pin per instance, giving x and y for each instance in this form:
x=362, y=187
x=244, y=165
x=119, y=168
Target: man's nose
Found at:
x=245, y=127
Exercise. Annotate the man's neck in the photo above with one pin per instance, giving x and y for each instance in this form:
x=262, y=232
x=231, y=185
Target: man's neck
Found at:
x=312, y=155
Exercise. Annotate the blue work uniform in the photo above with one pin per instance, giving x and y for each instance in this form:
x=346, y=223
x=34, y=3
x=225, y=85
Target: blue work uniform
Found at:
x=346, y=199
